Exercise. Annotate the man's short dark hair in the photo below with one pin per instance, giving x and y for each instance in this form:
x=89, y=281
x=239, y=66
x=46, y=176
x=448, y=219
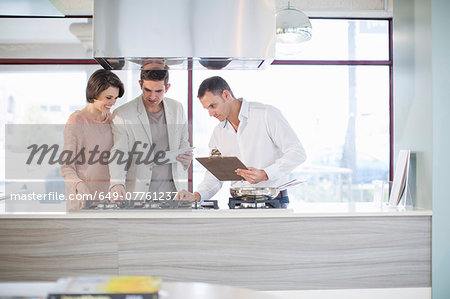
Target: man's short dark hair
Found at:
x=155, y=75
x=216, y=85
x=101, y=80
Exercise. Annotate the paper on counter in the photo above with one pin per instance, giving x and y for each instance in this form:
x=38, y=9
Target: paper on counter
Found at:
x=172, y=155
x=400, y=183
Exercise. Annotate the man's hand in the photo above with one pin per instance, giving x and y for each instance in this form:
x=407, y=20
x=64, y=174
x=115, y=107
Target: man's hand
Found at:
x=252, y=175
x=185, y=159
x=186, y=195
x=117, y=192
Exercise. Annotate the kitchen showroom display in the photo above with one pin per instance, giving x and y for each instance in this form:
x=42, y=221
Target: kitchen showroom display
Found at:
x=223, y=168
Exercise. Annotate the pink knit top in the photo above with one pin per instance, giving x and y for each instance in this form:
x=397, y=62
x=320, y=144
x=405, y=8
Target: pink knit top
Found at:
x=82, y=131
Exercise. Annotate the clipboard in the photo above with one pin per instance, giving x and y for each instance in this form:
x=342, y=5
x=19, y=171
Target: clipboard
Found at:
x=223, y=167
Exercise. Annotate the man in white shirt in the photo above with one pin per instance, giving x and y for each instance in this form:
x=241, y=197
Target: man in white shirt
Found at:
x=151, y=123
x=256, y=133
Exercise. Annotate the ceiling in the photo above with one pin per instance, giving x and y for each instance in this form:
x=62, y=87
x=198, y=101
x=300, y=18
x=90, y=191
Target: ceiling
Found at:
x=312, y=7
x=63, y=35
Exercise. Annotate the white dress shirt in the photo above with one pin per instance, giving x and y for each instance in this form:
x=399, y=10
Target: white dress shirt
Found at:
x=264, y=140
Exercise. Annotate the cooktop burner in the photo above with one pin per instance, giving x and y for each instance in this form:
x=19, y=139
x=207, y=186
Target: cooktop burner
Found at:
x=150, y=204
x=254, y=203
x=138, y=204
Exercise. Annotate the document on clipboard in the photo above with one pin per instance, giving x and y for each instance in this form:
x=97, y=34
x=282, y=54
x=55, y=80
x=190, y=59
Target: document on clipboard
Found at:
x=172, y=155
x=223, y=167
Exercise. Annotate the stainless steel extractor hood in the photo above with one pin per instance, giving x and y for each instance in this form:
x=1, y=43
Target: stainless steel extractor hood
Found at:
x=187, y=34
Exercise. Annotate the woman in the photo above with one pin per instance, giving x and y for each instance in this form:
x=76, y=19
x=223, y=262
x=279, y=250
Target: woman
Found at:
x=88, y=130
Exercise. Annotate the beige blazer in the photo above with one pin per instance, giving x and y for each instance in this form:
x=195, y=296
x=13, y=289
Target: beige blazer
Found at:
x=130, y=126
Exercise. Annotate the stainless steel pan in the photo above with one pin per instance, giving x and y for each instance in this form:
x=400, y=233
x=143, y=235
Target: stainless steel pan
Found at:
x=252, y=193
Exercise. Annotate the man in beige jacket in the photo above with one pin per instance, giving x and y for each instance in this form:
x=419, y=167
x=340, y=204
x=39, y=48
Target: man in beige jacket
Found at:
x=144, y=129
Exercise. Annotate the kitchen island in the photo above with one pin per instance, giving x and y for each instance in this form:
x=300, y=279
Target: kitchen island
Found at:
x=316, y=246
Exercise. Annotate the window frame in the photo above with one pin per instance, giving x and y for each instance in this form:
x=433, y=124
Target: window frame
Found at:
x=388, y=63
x=190, y=95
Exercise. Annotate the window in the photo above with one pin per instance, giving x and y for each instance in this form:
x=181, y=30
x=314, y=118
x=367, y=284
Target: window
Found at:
x=48, y=94
x=342, y=39
x=338, y=105
x=333, y=90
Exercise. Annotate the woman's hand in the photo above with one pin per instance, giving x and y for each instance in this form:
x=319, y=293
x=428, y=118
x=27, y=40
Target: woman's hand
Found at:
x=108, y=115
x=78, y=203
x=75, y=204
x=82, y=188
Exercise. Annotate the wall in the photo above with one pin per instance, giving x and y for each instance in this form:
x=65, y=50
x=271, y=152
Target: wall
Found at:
x=422, y=114
x=441, y=158
x=413, y=115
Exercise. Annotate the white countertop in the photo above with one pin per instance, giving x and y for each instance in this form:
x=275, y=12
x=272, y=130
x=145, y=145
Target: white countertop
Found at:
x=296, y=210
